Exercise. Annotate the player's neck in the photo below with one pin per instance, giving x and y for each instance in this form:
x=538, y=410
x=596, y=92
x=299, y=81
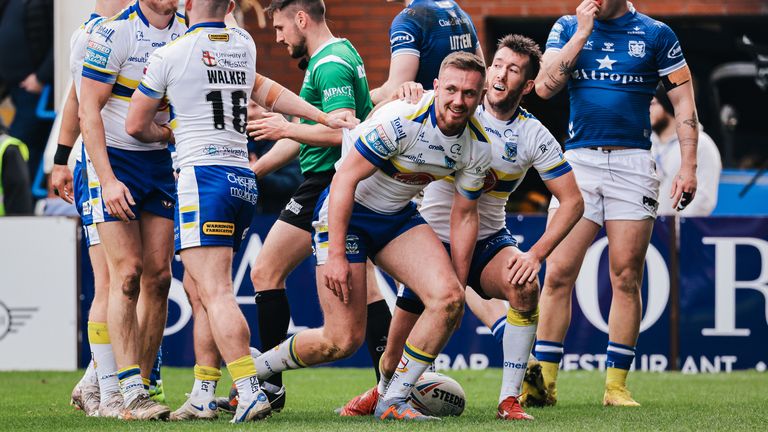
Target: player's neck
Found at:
x=155, y=19
x=195, y=21
x=317, y=38
x=620, y=10
x=503, y=114
x=107, y=8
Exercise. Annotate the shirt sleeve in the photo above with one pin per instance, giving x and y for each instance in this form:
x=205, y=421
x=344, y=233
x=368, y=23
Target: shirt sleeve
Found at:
x=470, y=179
x=548, y=159
x=335, y=78
x=155, y=80
x=560, y=34
x=106, y=51
x=669, y=54
x=377, y=139
x=405, y=35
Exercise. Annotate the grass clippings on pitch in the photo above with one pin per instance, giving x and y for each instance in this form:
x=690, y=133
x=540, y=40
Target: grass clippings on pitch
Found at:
x=671, y=401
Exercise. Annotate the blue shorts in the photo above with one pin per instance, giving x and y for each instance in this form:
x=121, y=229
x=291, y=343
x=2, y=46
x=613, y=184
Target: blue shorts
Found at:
x=368, y=231
x=83, y=204
x=485, y=251
x=215, y=206
x=148, y=175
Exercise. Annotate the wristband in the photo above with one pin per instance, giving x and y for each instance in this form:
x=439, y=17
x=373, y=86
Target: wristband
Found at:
x=62, y=154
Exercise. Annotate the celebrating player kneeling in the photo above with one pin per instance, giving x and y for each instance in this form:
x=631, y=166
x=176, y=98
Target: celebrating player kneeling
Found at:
x=499, y=269
x=367, y=212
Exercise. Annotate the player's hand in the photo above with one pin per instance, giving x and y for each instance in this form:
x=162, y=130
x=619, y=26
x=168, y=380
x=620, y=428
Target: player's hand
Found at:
x=32, y=84
x=585, y=16
x=336, y=276
x=410, y=92
x=341, y=119
x=271, y=127
x=61, y=179
x=683, y=189
x=523, y=268
x=118, y=200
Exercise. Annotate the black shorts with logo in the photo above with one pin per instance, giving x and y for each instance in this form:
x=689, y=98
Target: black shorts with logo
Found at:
x=301, y=207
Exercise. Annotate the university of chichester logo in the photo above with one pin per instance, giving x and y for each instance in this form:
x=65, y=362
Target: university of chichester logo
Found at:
x=208, y=59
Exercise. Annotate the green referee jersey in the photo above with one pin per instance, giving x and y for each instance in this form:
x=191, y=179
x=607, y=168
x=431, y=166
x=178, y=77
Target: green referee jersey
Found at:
x=335, y=79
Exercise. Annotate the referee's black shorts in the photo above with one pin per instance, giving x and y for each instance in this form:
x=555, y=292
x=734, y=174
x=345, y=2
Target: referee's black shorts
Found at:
x=301, y=207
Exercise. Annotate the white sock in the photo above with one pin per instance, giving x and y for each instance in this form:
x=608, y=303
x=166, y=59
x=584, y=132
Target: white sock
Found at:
x=106, y=370
x=413, y=363
x=519, y=335
x=383, y=385
x=282, y=357
x=204, y=388
x=247, y=389
x=90, y=376
x=131, y=384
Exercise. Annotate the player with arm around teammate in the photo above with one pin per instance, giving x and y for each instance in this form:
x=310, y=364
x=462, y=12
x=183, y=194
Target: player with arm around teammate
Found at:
x=611, y=57
x=499, y=270
x=367, y=212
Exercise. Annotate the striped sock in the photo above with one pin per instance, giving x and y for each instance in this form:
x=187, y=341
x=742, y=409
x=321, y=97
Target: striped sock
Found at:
x=547, y=351
x=619, y=361
x=413, y=363
x=519, y=334
x=131, y=385
x=498, y=329
x=145, y=382
x=243, y=372
x=278, y=359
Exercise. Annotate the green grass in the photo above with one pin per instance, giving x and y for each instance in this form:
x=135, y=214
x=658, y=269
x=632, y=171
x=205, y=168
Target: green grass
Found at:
x=671, y=401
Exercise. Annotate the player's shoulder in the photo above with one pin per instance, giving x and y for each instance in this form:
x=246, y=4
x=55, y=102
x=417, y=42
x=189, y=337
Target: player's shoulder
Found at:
x=566, y=22
x=239, y=33
x=338, y=52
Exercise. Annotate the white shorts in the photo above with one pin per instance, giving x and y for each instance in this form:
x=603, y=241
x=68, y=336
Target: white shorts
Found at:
x=616, y=184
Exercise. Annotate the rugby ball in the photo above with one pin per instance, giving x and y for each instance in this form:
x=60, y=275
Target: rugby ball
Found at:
x=438, y=395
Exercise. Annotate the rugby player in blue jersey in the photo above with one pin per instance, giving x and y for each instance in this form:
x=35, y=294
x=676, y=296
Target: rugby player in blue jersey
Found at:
x=420, y=37
x=611, y=57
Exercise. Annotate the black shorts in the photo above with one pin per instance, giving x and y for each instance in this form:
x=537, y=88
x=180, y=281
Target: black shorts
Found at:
x=301, y=207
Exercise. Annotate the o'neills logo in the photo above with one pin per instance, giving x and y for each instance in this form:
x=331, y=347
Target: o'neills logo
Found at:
x=219, y=228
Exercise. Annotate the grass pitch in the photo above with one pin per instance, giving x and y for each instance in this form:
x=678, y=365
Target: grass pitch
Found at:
x=671, y=401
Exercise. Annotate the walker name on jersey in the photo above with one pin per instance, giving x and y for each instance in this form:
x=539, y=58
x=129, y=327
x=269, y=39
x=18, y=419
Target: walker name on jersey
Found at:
x=583, y=74
x=226, y=77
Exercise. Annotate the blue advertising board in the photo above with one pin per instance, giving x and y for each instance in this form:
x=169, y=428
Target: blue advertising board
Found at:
x=473, y=347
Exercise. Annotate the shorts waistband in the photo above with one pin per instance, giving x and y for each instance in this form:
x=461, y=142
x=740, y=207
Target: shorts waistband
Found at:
x=313, y=174
x=608, y=149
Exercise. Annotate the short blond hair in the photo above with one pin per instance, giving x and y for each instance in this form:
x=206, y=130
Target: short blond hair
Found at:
x=463, y=61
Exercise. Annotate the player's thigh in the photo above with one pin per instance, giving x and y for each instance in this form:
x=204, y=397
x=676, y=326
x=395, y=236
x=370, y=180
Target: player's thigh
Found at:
x=587, y=168
x=344, y=319
x=418, y=259
x=157, y=243
x=372, y=283
x=122, y=246
x=210, y=268
x=564, y=263
x=285, y=247
x=98, y=263
x=628, y=242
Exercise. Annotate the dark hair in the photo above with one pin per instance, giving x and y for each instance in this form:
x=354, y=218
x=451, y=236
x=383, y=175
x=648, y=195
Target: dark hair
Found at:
x=314, y=8
x=524, y=46
x=464, y=61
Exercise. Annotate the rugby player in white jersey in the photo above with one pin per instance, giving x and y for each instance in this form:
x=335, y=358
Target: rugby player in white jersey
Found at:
x=367, y=213
x=499, y=269
x=208, y=75
x=132, y=197
x=99, y=383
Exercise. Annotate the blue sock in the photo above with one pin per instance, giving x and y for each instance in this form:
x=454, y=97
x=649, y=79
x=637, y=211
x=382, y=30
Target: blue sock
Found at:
x=619, y=356
x=548, y=351
x=154, y=374
x=498, y=329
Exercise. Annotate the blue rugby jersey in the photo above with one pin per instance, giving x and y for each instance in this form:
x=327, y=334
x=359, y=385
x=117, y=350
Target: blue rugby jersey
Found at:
x=615, y=77
x=431, y=30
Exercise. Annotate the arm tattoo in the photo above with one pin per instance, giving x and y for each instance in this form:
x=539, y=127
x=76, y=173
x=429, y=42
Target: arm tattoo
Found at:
x=565, y=68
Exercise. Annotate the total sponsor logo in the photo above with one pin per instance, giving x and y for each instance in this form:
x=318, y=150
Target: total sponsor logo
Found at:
x=106, y=33
x=398, y=128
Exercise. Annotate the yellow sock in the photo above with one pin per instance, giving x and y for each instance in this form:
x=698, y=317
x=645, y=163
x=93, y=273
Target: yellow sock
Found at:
x=242, y=368
x=616, y=377
x=549, y=371
x=98, y=333
x=206, y=373
x=146, y=383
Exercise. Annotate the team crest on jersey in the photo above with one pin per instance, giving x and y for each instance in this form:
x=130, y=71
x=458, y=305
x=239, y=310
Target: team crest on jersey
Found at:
x=352, y=246
x=510, y=146
x=208, y=59
x=637, y=49
x=450, y=163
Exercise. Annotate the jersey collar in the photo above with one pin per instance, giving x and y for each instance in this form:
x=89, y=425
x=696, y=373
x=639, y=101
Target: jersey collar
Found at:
x=209, y=24
x=325, y=44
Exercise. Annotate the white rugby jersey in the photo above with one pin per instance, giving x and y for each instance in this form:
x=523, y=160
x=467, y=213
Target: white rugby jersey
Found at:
x=516, y=145
x=117, y=53
x=208, y=76
x=77, y=44
x=403, y=141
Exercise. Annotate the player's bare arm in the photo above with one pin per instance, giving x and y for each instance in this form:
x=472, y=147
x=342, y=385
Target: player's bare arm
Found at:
x=278, y=156
x=354, y=169
x=464, y=223
x=525, y=267
x=140, y=120
x=680, y=92
x=93, y=96
x=402, y=68
x=557, y=66
x=273, y=126
x=61, y=176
